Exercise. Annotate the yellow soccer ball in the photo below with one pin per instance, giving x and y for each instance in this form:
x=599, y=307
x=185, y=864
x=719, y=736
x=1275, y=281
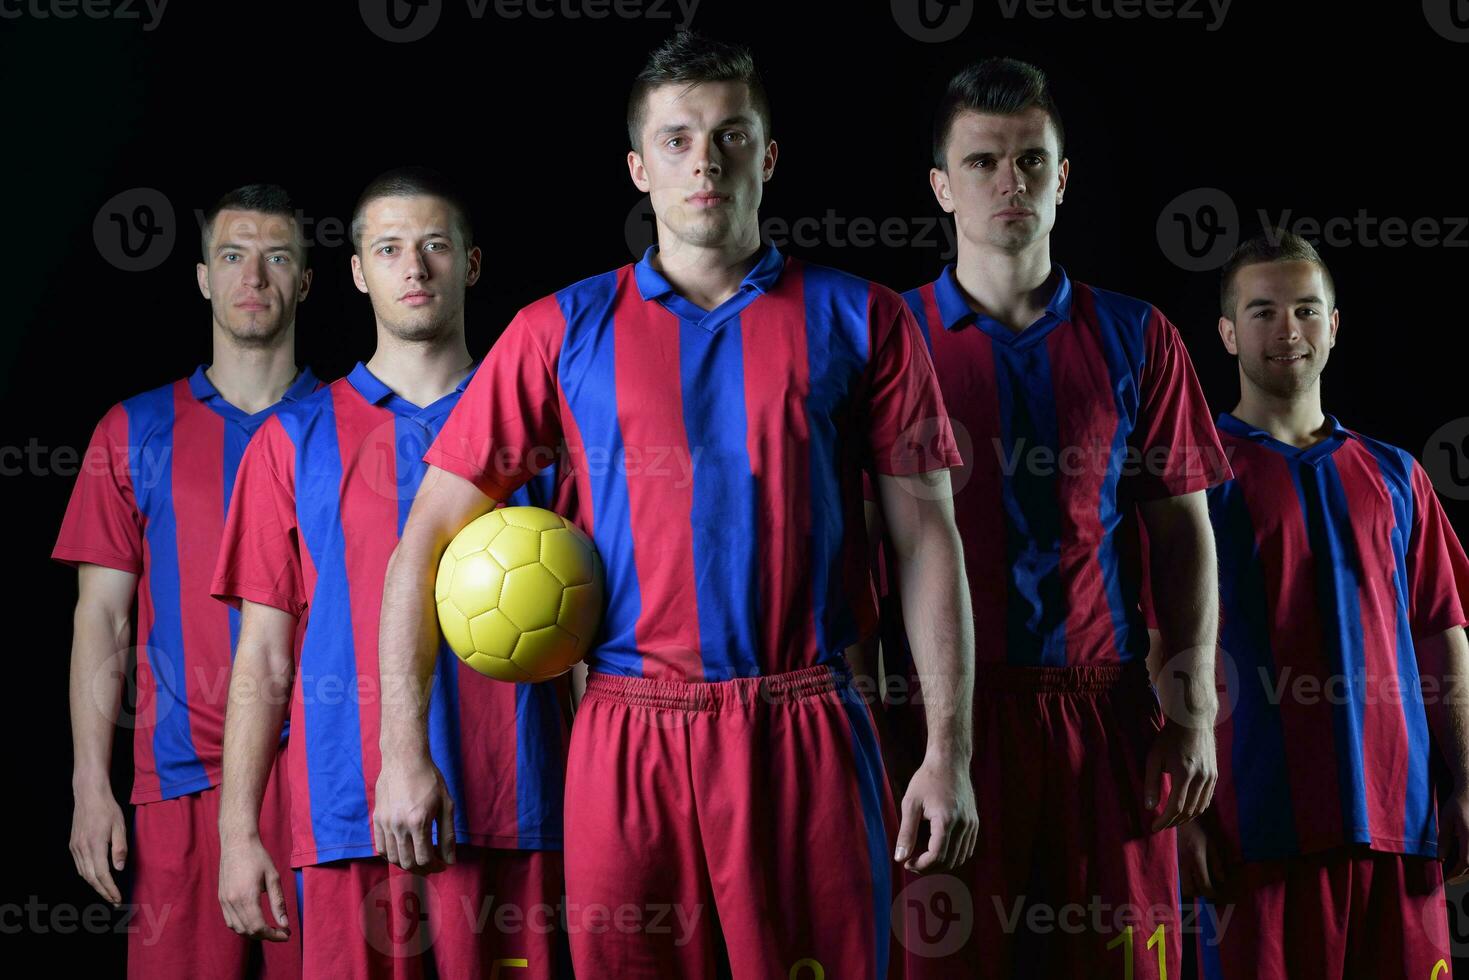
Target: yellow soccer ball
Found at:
x=519, y=594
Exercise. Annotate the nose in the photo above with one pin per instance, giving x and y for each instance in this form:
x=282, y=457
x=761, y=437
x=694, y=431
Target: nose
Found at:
x=1012, y=180
x=416, y=267
x=253, y=275
x=710, y=162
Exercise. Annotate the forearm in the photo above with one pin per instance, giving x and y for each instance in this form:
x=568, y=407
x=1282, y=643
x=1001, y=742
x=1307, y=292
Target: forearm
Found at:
x=1444, y=663
x=1186, y=602
x=259, y=695
x=940, y=627
x=98, y=667
x=407, y=646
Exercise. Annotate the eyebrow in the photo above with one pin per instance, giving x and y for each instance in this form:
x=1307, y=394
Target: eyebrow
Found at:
x=1039, y=151
x=395, y=237
x=1262, y=301
x=222, y=246
x=738, y=119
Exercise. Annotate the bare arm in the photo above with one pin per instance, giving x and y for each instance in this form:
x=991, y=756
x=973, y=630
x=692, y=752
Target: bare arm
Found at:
x=1186, y=602
x=919, y=514
x=411, y=795
x=1443, y=663
x=99, y=662
x=260, y=683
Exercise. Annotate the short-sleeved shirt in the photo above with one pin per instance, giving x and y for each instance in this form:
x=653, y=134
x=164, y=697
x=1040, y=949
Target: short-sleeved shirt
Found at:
x=716, y=454
x=1064, y=428
x=322, y=497
x=150, y=499
x=1333, y=561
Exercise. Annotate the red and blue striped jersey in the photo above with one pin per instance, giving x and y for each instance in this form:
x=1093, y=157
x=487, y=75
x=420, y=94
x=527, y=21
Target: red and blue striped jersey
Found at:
x=1063, y=428
x=150, y=499
x=1333, y=560
x=716, y=456
x=324, y=491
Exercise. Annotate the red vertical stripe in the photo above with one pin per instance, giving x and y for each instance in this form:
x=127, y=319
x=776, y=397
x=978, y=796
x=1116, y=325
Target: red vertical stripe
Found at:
x=198, y=507
x=1086, y=421
x=650, y=414
x=1385, y=747
x=1306, y=718
x=777, y=383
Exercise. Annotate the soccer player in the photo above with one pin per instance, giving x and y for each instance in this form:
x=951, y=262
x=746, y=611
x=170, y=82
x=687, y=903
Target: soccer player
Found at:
x=321, y=498
x=719, y=401
x=1341, y=586
x=143, y=525
x=1082, y=412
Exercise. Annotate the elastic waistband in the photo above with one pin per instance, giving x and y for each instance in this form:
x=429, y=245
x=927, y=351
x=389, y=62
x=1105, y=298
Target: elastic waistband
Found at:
x=1013, y=678
x=808, y=682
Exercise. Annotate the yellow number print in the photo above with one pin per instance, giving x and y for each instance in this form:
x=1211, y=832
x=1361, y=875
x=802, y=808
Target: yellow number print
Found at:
x=518, y=961
x=1156, y=939
x=1125, y=941
x=818, y=972
x=1440, y=967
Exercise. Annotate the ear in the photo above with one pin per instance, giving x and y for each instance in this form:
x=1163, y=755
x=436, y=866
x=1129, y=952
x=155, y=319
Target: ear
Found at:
x=305, y=286
x=201, y=273
x=1064, y=173
x=767, y=167
x=637, y=171
x=1226, y=334
x=472, y=266
x=1335, y=322
x=357, y=278
x=938, y=182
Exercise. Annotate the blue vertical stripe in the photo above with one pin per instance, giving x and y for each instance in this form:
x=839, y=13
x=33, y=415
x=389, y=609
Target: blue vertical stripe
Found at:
x=236, y=438
x=1257, y=755
x=914, y=299
x=587, y=374
x=1338, y=576
x=836, y=349
x=175, y=757
x=1120, y=332
x=869, y=783
x=1035, y=627
x=333, y=722
x=539, y=773
x=1210, y=968
x=724, y=507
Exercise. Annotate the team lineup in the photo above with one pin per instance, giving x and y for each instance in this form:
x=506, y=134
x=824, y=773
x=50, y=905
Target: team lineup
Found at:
x=773, y=488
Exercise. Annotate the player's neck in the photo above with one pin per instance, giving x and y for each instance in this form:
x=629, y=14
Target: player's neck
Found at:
x=1296, y=420
x=421, y=372
x=252, y=378
x=705, y=276
x=1012, y=288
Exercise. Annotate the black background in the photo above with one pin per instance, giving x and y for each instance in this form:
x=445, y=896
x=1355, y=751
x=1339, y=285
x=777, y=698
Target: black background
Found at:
x=1315, y=108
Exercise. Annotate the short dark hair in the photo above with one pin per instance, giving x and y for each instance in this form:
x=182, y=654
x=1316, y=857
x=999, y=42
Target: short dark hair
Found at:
x=264, y=198
x=412, y=182
x=998, y=86
x=1275, y=246
x=689, y=57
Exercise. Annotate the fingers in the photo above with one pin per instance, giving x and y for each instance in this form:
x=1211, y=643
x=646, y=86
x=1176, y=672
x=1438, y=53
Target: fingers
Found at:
x=119, y=844
x=379, y=845
x=907, y=827
x=277, y=899
x=422, y=849
x=90, y=856
x=940, y=842
x=446, y=827
x=1153, y=780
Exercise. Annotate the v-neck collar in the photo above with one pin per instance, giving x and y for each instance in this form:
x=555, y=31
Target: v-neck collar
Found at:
x=654, y=286
x=376, y=392
x=204, y=391
x=955, y=311
x=1313, y=454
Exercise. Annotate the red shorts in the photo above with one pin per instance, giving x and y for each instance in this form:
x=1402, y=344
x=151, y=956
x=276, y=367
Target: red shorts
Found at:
x=763, y=797
x=1067, y=880
x=179, y=929
x=493, y=913
x=1349, y=912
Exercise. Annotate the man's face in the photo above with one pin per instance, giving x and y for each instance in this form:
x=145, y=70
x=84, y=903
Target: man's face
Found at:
x=1283, y=326
x=705, y=158
x=413, y=265
x=254, y=276
x=1002, y=178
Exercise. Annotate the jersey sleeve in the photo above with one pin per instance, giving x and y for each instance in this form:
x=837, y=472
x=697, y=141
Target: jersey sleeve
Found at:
x=1438, y=571
x=259, y=554
x=103, y=525
x=506, y=427
x=908, y=429
x=1177, y=447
